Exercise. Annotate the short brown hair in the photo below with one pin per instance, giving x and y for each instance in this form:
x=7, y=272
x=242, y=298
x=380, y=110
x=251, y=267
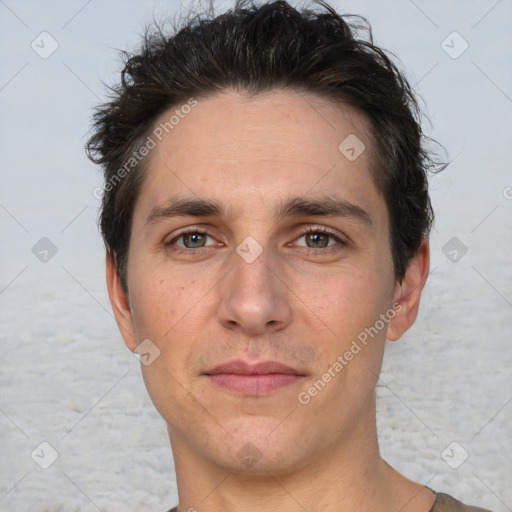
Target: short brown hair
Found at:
x=256, y=49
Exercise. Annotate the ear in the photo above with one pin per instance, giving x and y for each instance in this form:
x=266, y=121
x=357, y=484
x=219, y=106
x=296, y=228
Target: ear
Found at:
x=120, y=304
x=408, y=292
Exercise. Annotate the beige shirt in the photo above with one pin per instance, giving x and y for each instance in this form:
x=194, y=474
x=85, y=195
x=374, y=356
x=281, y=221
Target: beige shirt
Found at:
x=443, y=503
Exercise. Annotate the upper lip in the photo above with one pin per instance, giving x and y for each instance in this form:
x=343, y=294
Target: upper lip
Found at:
x=242, y=368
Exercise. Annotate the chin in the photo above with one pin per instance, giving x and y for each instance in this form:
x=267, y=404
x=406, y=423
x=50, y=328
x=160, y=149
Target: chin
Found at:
x=260, y=446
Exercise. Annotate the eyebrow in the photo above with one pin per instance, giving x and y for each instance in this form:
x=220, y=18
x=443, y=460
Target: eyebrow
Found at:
x=323, y=207
x=294, y=207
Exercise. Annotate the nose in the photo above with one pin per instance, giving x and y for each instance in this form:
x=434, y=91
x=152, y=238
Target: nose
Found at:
x=253, y=299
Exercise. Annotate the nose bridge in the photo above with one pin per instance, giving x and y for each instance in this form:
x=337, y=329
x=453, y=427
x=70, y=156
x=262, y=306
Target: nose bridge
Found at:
x=252, y=268
x=252, y=279
x=252, y=297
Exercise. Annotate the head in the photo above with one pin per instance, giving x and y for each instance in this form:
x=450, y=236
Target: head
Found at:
x=246, y=131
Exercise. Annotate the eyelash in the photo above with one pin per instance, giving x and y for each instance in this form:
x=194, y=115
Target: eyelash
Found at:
x=308, y=250
x=323, y=231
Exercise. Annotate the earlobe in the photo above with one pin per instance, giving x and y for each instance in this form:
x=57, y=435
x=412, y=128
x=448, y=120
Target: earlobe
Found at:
x=119, y=303
x=408, y=292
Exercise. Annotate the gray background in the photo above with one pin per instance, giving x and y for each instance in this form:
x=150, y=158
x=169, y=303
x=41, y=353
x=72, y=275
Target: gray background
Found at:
x=67, y=378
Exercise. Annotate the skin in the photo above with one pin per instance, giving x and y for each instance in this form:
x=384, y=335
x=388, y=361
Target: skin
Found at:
x=300, y=305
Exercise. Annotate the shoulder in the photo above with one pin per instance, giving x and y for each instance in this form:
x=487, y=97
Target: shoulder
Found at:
x=443, y=503
x=446, y=503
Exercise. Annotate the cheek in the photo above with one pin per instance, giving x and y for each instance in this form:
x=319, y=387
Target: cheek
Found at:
x=160, y=297
x=153, y=310
x=344, y=301
x=171, y=309
x=159, y=310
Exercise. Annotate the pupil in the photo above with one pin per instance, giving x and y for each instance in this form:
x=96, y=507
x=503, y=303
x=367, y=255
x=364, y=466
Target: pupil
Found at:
x=318, y=239
x=195, y=238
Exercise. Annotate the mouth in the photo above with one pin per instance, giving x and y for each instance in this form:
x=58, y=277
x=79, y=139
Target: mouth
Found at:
x=254, y=379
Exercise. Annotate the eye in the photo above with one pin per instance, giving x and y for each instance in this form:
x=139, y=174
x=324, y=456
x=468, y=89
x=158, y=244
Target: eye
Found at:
x=313, y=240
x=192, y=239
x=319, y=238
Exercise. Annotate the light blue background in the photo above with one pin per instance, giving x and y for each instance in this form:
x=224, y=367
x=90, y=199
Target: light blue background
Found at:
x=66, y=377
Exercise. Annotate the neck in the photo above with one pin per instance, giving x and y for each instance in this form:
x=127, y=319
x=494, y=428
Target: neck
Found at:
x=348, y=475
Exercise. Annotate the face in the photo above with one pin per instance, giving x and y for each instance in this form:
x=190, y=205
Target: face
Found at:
x=256, y=239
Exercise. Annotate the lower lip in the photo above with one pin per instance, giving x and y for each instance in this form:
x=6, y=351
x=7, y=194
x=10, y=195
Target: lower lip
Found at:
x=254, y=384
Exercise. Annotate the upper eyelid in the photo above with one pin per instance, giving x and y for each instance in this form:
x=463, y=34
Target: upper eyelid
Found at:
x=340, y=239
x=189, y=231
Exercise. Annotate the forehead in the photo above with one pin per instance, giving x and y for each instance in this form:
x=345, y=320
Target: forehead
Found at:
x=230, y=120
x=254, y=151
